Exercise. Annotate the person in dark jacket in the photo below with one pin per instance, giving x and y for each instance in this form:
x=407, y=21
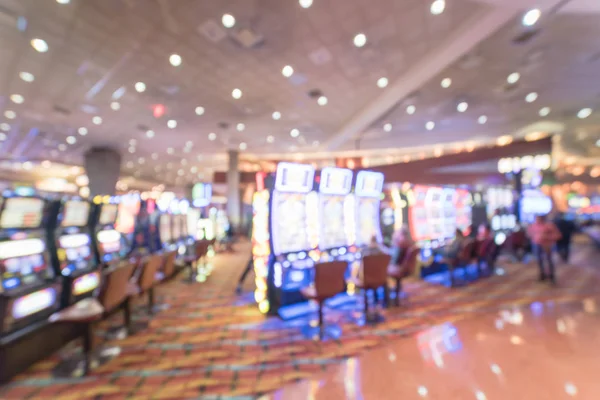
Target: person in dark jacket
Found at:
x=567, y=229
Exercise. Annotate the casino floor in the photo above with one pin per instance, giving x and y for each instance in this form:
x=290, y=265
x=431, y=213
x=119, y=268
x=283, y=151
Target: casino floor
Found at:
x=506, y=337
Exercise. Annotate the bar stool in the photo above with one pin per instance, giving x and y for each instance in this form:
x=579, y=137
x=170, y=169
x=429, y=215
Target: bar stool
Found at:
x=374, y=275
x=407, y=268
x=329, y=281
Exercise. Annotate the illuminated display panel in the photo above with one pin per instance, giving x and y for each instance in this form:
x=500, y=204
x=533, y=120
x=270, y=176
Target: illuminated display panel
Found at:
x=86, y=283
x=176, y=227
x=202, y=194
x=191, y=220
x=126, y=215
x=289, y=223
x=332, y=222
x=109, y=240
x=165, y=228
x=22, y=212
x=21, y=248
x=75, y=213
x=369, y=184
x=335, y=181
x=108, y=214
x=33, y=303
x=367, y=220
x=418, y=222
x=21, y=261
x=464, y=210
x=292, y=177
x=534, y=203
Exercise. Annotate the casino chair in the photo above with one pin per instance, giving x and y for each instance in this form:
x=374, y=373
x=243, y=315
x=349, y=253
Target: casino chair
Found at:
x=329, y=281
x=462, y=260
x=404, y=270
x=374, y=275
x=198, y=270
x=146, y=280
x=486, y=253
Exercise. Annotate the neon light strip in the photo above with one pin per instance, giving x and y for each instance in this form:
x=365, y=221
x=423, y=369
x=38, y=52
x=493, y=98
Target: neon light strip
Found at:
x=71, y=241
x=21, y=248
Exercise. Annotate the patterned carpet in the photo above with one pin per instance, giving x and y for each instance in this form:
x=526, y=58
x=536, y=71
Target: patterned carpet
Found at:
x=211, y=344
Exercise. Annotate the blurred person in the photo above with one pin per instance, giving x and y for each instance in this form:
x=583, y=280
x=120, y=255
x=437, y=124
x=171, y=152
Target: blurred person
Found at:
x=544, y=235
x=567, y=229
x=453, y=249
x=401, y=242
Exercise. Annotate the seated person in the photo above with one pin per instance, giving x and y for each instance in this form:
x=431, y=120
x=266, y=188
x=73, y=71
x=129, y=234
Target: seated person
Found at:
x=401, y=242
x=452, y=251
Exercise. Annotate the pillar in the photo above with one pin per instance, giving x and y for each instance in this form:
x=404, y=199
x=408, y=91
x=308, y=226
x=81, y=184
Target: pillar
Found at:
x=102, y=167
x=233, y=189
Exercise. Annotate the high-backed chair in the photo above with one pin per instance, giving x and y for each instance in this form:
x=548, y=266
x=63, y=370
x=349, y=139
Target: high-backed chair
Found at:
x=168, y=269
x=463, y=259
x=486, y=252
x=146, y=280
x=114, y=294
x=373, y=275
x=329, y=281
x=405, y=269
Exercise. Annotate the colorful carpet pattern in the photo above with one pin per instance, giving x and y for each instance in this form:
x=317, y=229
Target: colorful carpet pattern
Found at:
x=211, y=344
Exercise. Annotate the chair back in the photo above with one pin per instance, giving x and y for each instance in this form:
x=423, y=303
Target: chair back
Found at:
x=485, y=247
x=466, y=253
x=169, y=267
x=375, y=270
x=114, y=290
x=149, y=270
x=329, y=278
x=202, y=248
x=410, y=262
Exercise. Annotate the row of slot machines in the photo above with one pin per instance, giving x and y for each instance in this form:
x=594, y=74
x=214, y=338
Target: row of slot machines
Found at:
x=300, y=218
x=53, y=252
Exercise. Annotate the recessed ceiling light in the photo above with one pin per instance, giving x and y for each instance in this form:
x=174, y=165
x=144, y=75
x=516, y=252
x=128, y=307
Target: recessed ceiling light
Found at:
x=287, y=71
x=243, y=146
x=63, y=1
x=513, y=78
x=97, y=120
x=170, y=150
x=184, y=161
x=150, y=134
x=189, y=143
x=172, y=124
x=62, y=147
x=141, y=160
x=411, y=109
x=544, y=111
x=322, y=101
x=315, y=143
x=598, y=143
x=175, y=60
x=228, y=20
x=199, y=110
x=82, y=131
x=531, y=97
x=482, y=119
x=236, y=93
x=584, y=113
x=17, y=98
x=446, y=82
x=462, y=106
x=387, y=127
x=115, y=105
x=5, y=127
x=270, y=139
x=39, y=45
x=360, y=40
x=26, y=76
x=132, y=142
x=212, y=136
x=194, y=169
x=430, y=125
x=186, y=150
x=154, y=156
x=180, y=172
x=2, y=137
x=71, y=139
x=531, y=17
x=305, y=3
x=140, y=87
x=437, y=7
x=131, y=149
x=382, y=82
x=294, y=133
x=10, y=114
x=240, y=127
x=276, y=115
x=129, y=164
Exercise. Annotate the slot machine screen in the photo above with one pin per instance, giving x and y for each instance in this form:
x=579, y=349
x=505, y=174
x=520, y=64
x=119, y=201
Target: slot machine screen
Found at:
x=108, y=214
x=109, y=240
x=21, y=260
x=165, y=228
x=76, y=249
x=33, y=303
x=127, y=212
x=75, y=213
x=289, y=223
x=22, y=212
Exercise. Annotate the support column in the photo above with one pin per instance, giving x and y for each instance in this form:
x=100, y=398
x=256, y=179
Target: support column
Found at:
x=102, y=166
x=233, y=189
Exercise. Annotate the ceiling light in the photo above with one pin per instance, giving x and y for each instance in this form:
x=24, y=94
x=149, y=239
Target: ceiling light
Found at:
x=387, y=127
x=17, y=98
x=62, y=147
x=27, y=165
x=584, y=113
x=437, y=7
x=422, y=390
x=240, y=127
x=26, y=76
x=243, y=146
x=228, y=20
x=598, y=143
x=531, y=17
x=2, y=137
x=140, y=87
x=513, y=78
x=276, y=115
x=132, y=142
x=315, y=143
x=141, y=160
x=236, y=93
x=115, y=105
x=150, y=134
x=180, y=172
x=360, y=40
x=10, y=114
x=172, y=124
x=462, y=106
x=97, y=120
x=270, y=139
x=531, y=97
x=46, y=164
x=287, y=71
x=71, y=139
x=382, y=82
x=63, y=1
x=82, y=131
x=212, y=136
x=411, y=109
x=39, y=45
x=482, y=119
x=154, y=156
x=544, y=111
x=199, y=110
x=305, y=3
x=446, y=82
x=170, y=150
x=184, y=161
x=131, y=149
x=175, y=60
x=129, y=164
x=322, y=101
x=430, y=125
x=189, y=144
x=5, y=127
x=294, y=133
x=194, y=169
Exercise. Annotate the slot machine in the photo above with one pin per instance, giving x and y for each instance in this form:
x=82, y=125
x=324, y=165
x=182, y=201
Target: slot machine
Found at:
x=500, y=211
x=367, y=197
x=71, y=250
x=191, y=221
x=29, y=290
x=463, y=204
x=127, y=213
x=164, y=221
x=109, y=245
x=285, y=237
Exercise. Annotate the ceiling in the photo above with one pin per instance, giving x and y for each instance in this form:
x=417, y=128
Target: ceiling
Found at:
x=98, y=50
